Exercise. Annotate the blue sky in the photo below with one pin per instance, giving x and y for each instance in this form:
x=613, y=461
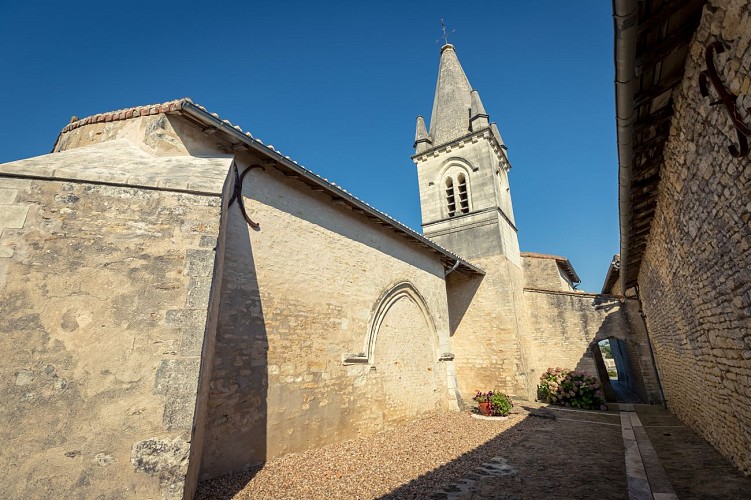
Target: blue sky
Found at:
x=337, y=86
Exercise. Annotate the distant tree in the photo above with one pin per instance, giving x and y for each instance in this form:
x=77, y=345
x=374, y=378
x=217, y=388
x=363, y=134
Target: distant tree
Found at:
x=605, y=349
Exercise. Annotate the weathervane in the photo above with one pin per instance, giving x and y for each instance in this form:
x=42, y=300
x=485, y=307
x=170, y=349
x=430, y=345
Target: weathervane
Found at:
x=445, y=36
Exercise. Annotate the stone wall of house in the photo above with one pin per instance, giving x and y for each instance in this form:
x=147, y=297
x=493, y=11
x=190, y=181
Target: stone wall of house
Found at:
x=695, y=277
x=104, y=292
x=563, y=327
x=330, y=327
x=544, y=274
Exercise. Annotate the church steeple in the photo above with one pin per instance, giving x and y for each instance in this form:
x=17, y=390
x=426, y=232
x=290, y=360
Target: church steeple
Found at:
x=477, y=116
x=451, y=104
x=462, y=169
x=422, y=139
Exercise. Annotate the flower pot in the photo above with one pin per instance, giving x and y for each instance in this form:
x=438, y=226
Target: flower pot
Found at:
x=486, y=408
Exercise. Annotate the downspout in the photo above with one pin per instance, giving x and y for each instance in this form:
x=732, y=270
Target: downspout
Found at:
x=651, y=352
x=625, y=22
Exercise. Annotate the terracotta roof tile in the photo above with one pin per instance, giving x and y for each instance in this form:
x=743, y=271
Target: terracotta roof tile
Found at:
x=125, y=114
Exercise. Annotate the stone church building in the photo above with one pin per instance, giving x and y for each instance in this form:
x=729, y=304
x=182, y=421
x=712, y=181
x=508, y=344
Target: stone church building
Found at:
x=180, y=300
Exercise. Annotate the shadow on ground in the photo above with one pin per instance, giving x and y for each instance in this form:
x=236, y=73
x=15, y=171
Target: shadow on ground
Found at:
x=568, y=454
x=695, y=468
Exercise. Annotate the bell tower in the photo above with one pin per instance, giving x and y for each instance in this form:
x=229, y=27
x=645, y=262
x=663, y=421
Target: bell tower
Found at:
x=462, y=171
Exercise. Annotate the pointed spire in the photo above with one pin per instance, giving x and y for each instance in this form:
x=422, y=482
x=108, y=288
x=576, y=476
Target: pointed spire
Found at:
x=452, y=102
x=478, y=118
x=497, y=134
x=422, y=139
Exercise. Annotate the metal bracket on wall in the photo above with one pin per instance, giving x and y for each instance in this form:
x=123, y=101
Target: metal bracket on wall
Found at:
x=359, y=358
x=237, y=194
x=726, y=98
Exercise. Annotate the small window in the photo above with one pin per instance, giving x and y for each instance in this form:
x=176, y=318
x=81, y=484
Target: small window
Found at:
x=463, y=199
x=450, y=197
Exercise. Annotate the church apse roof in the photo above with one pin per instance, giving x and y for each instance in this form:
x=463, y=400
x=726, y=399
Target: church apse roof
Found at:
x=239, y=141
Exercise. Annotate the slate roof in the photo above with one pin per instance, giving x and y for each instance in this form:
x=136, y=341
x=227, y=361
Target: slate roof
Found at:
x=455, y=104
x=450, y=117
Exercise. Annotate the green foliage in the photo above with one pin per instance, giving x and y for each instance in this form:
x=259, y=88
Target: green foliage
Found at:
x=500, y=402
x=570, y=388
x=606, y=350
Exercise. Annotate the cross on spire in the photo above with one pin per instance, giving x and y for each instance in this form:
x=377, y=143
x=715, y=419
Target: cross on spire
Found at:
x=445, y=36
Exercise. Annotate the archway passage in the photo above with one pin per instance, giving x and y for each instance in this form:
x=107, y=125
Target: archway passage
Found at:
x=607, y=358
x=616, y=370
x=406, y=362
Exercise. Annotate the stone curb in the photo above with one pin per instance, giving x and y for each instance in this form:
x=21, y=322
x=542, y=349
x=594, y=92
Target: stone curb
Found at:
x=645, y=475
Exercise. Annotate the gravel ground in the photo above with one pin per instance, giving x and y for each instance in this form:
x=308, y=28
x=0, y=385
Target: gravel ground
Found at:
x=410, y=461
x=568, y=454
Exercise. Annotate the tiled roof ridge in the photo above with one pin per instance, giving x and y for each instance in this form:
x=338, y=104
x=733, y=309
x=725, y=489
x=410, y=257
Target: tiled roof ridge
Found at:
x=542, y=255
x=124, y=114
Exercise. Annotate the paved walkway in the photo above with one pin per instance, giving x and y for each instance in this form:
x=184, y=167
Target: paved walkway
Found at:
x=663, y=459
x=693, y=466
x=645, y=475
x=623, y=394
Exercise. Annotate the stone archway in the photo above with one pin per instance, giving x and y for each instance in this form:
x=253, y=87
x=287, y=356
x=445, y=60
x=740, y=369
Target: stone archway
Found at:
x=628, y=385
x=403, y=352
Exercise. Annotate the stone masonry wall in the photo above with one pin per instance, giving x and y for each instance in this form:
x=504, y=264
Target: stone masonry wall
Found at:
x=544, y=274
x=561, y=328
x=695, y=277
x=103, y=298
x=293, y=367
x=485, y=337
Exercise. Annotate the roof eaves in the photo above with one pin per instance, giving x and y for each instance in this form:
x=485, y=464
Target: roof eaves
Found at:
x=200, y=113
x=613, y=273
x=563, y=263
x=566, y=267
x=636, y=22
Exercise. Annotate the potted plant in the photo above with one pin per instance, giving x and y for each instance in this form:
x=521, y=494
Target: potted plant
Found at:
x=500, y=403
x=483, y=401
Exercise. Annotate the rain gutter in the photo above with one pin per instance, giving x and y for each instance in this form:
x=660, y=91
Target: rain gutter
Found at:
x=625, y=21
